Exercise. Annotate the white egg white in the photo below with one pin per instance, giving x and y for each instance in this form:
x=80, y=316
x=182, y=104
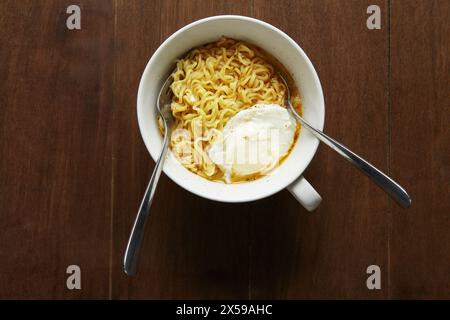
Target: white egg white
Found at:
x=254, y=141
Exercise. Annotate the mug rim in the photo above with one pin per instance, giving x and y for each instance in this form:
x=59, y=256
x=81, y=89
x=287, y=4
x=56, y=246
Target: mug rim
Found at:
x=216, y=197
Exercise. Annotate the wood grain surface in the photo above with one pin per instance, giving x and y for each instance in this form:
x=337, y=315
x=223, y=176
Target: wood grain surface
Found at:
x=420, y=148
x=55, y=149
x=73, y=167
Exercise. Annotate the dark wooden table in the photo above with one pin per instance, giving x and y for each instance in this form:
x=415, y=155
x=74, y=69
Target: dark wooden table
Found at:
x=73, y=167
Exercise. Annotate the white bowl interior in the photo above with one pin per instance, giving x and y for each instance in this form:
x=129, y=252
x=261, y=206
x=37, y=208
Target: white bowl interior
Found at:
x=274, y=42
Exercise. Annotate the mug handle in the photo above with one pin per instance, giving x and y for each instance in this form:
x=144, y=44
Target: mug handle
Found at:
x=304, y=192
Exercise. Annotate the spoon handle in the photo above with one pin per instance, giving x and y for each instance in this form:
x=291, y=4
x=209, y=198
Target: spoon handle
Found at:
x=383, y=181
x=134, y=242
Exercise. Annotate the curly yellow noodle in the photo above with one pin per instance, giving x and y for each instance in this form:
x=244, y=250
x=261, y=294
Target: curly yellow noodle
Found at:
x=210, y=85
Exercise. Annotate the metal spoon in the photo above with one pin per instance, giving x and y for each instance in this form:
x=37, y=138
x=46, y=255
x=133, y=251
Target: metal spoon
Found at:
x=134, y=242
x=383, y=181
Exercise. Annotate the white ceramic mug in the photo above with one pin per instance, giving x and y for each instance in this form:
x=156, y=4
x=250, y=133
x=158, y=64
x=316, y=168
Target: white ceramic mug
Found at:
x=282, y=47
